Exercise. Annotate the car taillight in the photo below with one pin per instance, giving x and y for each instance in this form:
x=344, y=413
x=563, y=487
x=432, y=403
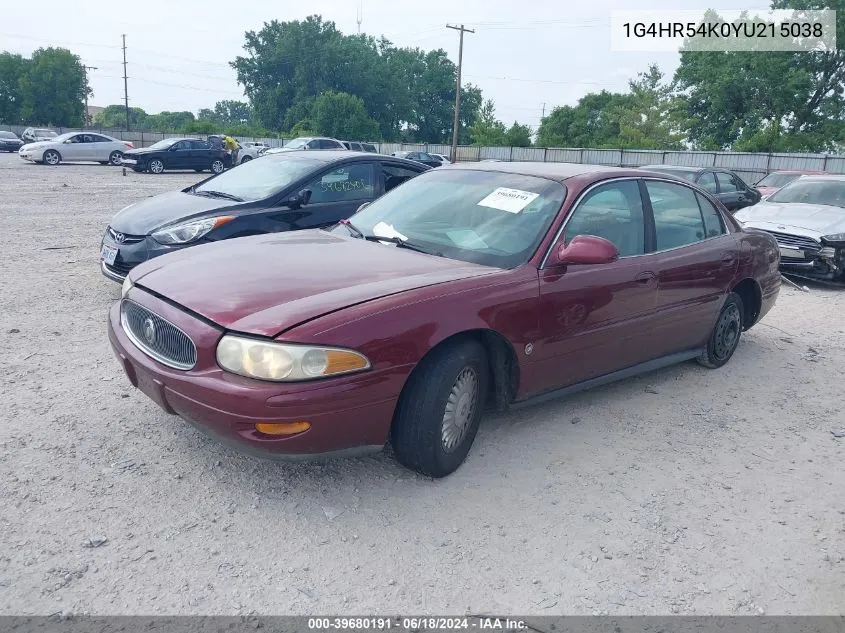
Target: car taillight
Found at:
x=128, y=144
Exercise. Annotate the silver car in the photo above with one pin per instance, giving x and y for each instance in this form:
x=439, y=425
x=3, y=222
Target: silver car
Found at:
x=76, y=147
x=807, y=218
x=307, y=142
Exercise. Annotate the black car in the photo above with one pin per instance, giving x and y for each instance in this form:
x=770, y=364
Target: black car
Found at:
x=281, y=192
x=9, y=142
x=421, y=157
x=729, y=188
x=177, y=153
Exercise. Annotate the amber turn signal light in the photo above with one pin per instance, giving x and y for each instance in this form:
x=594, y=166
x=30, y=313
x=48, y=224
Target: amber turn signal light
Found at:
x=282, y=428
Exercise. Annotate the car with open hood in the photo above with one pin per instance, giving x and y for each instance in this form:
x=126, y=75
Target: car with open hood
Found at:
x=282, y=192
x=178, y=154
x=36, y=134
x=807, y=218
x=470, y=286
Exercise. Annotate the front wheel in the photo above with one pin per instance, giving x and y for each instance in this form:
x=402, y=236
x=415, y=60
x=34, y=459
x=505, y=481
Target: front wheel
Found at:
x=440, y=408
x=217, y=166
x=116, y=158
x=156, y=166
x=725, y=336
x=245, y=159
x=52, y=157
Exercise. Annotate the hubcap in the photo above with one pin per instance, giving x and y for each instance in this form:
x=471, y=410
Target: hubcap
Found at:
x=727, y=332
x=460, y=408
x=156, y=167
x=52, y=158
x=115, y=158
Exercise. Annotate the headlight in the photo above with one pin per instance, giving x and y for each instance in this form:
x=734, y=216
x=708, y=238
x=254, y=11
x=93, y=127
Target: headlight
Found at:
x=189, y=231
x=284, y=362
x=836, y=237
x=124, y=289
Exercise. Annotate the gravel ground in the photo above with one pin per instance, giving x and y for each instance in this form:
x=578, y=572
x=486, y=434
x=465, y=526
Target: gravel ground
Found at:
x=683, y=491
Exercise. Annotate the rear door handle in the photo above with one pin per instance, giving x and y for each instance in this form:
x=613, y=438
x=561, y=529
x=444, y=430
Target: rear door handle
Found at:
x=645, y=278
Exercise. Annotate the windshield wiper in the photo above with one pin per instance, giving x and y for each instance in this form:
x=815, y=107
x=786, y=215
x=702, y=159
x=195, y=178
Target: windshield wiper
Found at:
x=402, y=243
x=352, y=229
x=218, y=194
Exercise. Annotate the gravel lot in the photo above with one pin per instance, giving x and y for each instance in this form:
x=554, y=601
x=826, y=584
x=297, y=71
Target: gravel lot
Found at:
x=683, y=491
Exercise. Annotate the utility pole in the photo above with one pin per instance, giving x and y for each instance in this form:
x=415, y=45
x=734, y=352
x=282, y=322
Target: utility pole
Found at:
x=543, y=116
x=456, y=126
x=125, y=84
x=86, y=69
x=360, y=15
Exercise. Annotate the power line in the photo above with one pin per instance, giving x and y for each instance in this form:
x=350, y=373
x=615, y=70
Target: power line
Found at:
x=462, y=29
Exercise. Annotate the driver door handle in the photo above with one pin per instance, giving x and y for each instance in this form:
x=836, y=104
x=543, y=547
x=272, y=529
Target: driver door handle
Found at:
x=646, y=278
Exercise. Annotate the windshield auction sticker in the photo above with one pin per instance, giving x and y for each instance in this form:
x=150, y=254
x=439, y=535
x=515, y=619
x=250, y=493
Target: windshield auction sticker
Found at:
x=729, y=30
x=510, y=200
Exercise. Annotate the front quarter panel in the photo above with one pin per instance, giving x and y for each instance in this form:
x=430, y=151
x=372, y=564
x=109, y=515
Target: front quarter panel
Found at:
x=397, y=331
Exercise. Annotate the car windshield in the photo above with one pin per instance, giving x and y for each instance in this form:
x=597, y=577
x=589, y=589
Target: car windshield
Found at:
x=163, y=144
x=812, y=191
x=777, y=180
x=297, y=143
x=686, y=174
x=259, y=179
x=489, y=218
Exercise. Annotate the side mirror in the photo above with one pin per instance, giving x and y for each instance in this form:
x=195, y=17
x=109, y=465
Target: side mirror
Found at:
x=586, y=250
x=362, y=207
x=300, y=199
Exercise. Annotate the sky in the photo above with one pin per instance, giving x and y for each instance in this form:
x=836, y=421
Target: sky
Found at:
x=527, y=55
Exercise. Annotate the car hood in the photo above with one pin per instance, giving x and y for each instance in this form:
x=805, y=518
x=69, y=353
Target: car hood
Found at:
x=144, y=217
x=267, y=284
x=138, y=151
x=810, y=219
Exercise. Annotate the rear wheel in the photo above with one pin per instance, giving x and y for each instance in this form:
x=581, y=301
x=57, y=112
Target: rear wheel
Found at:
x=156, y=166
x=725, y=337
x=52, y=157
x=440, y=408
x=116, y=157
x=217, y=166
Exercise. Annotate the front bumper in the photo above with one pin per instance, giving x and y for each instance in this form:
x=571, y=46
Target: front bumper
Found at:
x=136, y=250
x=347, y=414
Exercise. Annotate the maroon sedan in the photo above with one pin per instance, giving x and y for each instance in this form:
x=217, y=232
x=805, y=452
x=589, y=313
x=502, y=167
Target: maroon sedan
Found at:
x=471, y=286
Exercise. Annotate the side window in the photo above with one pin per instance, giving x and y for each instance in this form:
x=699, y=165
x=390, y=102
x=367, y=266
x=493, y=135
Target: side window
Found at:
x=395, y=175
x=182, y=145
x=615, y=212
x=78, y=138
x=713, y=223
x=738, y=183
x=708, y=181
x=350, y=182
x=96, y=138
x=201, y=144
x=727, y=183
x=677, y=217
x=315, y=144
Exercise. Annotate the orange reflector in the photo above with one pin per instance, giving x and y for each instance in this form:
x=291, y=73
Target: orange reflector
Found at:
x=338, y=361
x=282, y=428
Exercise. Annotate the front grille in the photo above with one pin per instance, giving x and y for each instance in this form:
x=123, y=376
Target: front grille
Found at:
x=127, y=239
x=796, y=241
x=157, y=337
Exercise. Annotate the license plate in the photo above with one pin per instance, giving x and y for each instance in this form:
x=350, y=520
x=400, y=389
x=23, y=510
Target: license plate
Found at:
x=108, y=253
x=792, y=253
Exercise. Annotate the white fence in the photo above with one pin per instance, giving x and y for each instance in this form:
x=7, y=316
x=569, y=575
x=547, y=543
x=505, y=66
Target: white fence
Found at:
x=750, y=166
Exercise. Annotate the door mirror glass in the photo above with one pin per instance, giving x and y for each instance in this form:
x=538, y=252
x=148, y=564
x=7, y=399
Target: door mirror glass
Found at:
x=585, y=250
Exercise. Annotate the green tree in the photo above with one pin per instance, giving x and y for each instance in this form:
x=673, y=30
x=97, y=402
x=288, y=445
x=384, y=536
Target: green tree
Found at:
x=518, y=135
x=170, y=121
x=343, y=116
x=649, y=118
x=590, y=123
x=12, y=70
x=487, y=129
x=53, y=88
x=114, y=117
x=230, y=112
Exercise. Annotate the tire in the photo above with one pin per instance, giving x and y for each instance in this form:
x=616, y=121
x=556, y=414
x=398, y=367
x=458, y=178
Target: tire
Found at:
x=52, y=157
x=115, y=158
x=155, y=166
x=217, y=166
x=725, y=336
x=440, y=408
x=245, y=159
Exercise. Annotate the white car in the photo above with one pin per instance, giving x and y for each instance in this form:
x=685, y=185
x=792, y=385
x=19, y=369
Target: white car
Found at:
x=76, y=147
x=308, y=142
x=443, y=158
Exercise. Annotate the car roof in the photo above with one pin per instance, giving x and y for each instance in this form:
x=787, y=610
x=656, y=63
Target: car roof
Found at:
x=823, y=177
x=331, y=155
x=551, y=171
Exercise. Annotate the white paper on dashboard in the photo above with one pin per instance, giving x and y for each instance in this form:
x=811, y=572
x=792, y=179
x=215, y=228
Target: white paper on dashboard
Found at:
x=383, y=229
x=510, y=200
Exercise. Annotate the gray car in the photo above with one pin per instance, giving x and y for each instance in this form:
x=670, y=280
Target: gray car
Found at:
x=308, y=142
x=807, y=218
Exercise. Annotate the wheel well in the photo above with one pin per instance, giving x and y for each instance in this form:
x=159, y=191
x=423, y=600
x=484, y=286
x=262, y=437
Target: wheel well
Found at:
x=752, y=299
x=51, y=150
x=504, y=368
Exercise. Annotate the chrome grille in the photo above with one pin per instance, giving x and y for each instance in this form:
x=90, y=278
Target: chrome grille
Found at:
x=796, y=241
x=127, y=239
x=157, y=337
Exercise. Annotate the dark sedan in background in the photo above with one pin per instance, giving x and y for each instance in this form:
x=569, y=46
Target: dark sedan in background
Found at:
x=9, y=142
x=178, y=153
x=728, y=187
x=280, y=192
x=421, y=157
